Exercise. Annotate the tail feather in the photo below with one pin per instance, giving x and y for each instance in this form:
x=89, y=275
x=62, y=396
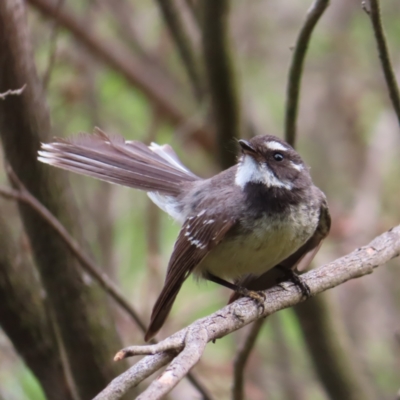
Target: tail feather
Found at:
x=162, y=308
x=111, y=158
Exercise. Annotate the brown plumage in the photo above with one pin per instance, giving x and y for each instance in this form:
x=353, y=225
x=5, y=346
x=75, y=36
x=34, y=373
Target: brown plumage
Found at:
x=238, y=225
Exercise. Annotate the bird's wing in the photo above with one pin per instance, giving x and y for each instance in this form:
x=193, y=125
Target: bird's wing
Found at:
x=198, y=236
x=299, y=260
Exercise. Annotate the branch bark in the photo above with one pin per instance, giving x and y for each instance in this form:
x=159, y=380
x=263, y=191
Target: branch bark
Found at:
x=79, y=306
x=221, y=79
x=24, y=319
x=361, y=261
x=296, y=68
x=15, y=92
x=22, y=195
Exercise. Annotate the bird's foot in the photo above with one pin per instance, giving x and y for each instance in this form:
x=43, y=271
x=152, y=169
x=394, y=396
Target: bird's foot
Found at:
x=258, y=296
x=296, y=279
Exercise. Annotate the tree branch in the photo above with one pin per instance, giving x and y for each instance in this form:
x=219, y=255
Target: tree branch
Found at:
x=134, y=375
x=80, y=307
x=296, y=68
x=171, y=17
x=24, y=319
x=155, y=88
x=87, y=264
x=221, y=79
x=360, y=262
x=383, y=51
x=52, y=49
x=15, y=92
x=242, y=357
x=335, y=362
x=23, y=195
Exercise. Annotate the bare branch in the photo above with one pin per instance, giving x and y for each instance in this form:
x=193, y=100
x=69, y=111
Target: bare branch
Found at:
x=52, y=48
x=374, y=14
x=221, y=78
x=16, y=92
x=80, y=307
x=242, y=358
x=87, y=264
x=134, y=375
x=156, y=88
x=24, y=316
x=194, y=10
x=183, y=44
x=296, y=68
x=196, y=339
x=361, y=261
x=334, y=361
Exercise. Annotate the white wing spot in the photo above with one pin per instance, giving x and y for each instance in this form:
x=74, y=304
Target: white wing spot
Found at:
x=197, y=243
x=201, y=213
x=208, y=221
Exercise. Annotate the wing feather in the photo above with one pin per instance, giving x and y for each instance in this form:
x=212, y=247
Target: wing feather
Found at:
x=196, y=239
x=113, y=159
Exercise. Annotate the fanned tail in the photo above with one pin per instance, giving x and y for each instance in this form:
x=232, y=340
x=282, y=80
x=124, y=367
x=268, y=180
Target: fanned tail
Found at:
x=113, y=159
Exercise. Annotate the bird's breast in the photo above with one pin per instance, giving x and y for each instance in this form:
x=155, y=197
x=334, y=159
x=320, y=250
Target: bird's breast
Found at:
x=259, y=244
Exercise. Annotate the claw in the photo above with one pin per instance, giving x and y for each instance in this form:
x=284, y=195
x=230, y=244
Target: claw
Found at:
x=297, y=281
x=258, y=297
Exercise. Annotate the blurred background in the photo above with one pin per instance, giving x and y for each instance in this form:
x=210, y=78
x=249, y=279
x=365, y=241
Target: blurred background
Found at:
x=347, y=133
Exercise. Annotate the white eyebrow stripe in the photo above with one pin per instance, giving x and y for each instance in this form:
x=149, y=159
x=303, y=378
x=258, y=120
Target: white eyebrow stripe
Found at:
x=299, y=167
x=276, y=146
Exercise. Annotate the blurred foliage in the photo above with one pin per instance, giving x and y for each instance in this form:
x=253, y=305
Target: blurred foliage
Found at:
x=344, y=108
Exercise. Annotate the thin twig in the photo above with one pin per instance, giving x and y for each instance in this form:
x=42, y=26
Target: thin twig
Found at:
x=23, y=195
x=241, y=359
x=195, y=343
x=134, y=375
x=360, y=262
x=52, y=48
x=174, y=23
x=393, y=88
x=10, y=92
x=137, y=73
x=194, y=10
x=296, y=68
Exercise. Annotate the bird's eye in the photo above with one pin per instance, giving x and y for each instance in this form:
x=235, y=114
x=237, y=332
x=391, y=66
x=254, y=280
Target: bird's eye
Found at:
x=278, y=156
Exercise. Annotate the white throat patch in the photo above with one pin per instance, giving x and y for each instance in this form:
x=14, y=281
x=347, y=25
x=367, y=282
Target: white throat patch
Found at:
x=251, y=171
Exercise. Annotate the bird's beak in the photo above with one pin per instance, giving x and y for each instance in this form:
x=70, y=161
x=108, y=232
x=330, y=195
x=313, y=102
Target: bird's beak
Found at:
x=247, y=148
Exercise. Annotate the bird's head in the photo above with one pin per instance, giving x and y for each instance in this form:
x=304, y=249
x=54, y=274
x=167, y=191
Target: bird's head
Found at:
x=270, y=161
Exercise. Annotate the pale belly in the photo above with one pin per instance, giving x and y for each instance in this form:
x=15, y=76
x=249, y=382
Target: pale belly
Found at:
x=269, y=243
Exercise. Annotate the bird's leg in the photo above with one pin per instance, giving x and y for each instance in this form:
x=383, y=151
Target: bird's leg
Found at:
x=291, y=275
x=258, y=297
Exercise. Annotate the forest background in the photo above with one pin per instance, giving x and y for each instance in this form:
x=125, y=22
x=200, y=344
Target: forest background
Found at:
x=219, y=73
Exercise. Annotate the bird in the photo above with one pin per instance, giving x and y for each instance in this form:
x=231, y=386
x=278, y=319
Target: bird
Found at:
x=262, y=214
